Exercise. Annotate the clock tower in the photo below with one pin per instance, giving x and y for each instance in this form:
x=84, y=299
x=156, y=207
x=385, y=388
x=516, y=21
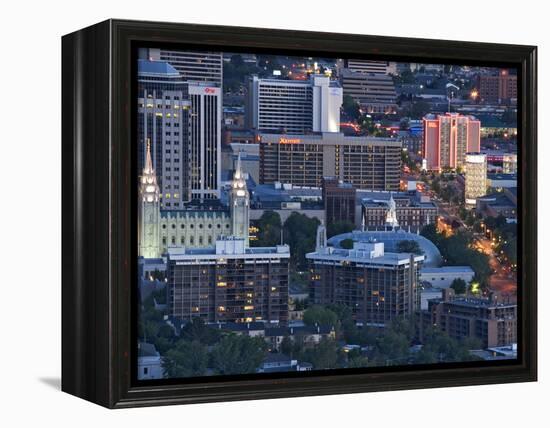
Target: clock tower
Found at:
x=239, y=201
x=149, y=211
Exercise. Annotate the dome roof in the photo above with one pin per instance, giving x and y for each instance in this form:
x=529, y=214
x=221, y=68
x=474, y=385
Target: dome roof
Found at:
x=390, y=240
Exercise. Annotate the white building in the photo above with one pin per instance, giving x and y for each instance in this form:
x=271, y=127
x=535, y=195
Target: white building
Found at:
x=443, y=277
x=475, y=177
x=193, y=227
x=149, y=362
x=205, y=140
x=294, y=106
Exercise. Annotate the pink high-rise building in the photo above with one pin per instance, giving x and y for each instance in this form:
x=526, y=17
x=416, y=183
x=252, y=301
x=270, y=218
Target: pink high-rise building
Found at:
x=447, y=139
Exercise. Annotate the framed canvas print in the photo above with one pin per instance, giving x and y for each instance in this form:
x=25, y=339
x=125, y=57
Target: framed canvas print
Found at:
x=252, y=213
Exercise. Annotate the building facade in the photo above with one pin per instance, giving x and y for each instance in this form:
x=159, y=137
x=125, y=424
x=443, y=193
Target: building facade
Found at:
x=494, y=324
x=447, y=139
x=205, y=140
x=229, y=283
x=413, y=210
x=366, y=66
x=293, y=106
x=163, y=121
x=374, y=91
x=193, y=227
x=501, y=87
x=377, y=286
x=303, y=160
x=475, y=177
x=338, y=201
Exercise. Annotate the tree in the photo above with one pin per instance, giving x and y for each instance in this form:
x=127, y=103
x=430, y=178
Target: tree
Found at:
x=269, y=230
x=324, y=355
x=339, y=227
x=236, y=354
x=186, y=359
x=346, y=243
x=351, y=107
x=419, y=109
x=409, y=246
x=197, y=330
x=300, y=231
x=319, y=315
x=459, y=286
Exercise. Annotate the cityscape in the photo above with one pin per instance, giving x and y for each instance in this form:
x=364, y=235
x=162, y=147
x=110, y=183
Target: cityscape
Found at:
x=300, y=214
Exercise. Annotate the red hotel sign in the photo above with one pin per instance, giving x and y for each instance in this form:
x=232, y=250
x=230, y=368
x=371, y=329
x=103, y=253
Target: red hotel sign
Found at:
x=209, y=90
x=284, y=140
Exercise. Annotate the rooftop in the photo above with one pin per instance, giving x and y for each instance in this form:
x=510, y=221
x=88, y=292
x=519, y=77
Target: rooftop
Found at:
x=391, y=239
x=156, y=67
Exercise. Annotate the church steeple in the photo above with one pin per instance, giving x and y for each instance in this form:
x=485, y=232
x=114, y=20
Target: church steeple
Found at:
x=239, y=200
x=149, y=210
x=391, y=215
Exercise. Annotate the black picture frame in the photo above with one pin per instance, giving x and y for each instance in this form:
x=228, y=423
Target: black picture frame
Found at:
x=98, y=214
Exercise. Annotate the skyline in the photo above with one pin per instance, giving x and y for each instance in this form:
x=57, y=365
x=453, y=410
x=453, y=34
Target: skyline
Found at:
x=366, y=124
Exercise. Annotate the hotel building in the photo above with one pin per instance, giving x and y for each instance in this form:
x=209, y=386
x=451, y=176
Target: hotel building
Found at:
x=475, y=177
x=292, y=106
x=303, y=160
x=229, y=283
x=377, y=286
x=447, y=139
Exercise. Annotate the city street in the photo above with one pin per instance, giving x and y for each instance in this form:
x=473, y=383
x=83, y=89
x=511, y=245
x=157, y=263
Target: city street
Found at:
x=503, y=281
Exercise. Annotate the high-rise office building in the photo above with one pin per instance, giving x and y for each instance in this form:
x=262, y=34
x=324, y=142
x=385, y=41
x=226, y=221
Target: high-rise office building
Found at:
x=447, y=139
x=205, y=115
x=229, y=283
x=163, y=121
x=303, y=160
x=501, y=87
x=377, y=286
x=193, y=66
x=375, y=92
x=294, y=106
x=475, y=177
x=338, y=200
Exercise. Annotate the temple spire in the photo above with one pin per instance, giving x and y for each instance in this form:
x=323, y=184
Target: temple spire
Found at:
x=238, y=170
x=148, y=160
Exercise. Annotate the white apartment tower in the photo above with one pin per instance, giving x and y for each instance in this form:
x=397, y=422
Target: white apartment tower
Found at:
x=294, y=107
x=475, y=169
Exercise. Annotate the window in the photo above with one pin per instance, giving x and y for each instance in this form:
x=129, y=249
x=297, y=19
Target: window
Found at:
x=145, y=370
